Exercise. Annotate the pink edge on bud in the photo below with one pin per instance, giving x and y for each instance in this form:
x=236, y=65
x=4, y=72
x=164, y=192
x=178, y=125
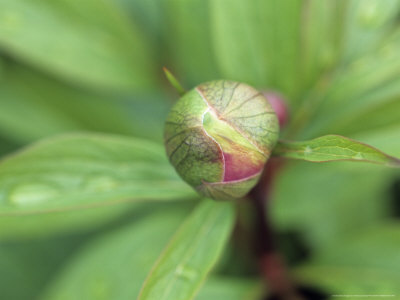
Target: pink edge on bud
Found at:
x=278, y=105
x=238, y=166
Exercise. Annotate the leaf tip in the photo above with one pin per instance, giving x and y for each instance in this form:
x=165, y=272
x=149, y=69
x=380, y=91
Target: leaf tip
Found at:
x=173, y=81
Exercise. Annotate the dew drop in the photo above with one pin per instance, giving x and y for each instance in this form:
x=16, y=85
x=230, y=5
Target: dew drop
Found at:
x=30, y=194
x=358, y=156
x=186, y=272
x=308, y=150
x=101, y=184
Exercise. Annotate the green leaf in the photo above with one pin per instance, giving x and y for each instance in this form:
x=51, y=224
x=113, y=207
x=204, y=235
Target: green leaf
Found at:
x=187, y=35
x=366, y=88
x=115, y=265
x=50, y=107
x=388, y=138
x=309, y=199
x=367, y=22
x=320, y=44
x=7, y=146
x=1, y=67
x=76, y=172
x=34, y=262
x=85, y=42
x=96, y=272
x=37, y=102
x=258, y=41
x=225, y=288
x=78, y=169
x=333, y=148
x=380, y=115
x=367, y=262
x=149, y=17
x=191, y=253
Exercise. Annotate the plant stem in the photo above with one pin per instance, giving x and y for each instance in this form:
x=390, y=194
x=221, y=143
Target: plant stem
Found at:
x=272, y=264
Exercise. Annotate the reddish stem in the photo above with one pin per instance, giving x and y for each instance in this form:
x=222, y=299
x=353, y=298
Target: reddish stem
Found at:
x=272, y=265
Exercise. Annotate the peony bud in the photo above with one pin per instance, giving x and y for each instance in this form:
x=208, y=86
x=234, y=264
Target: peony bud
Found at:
x=279, y=106
x=219, y=136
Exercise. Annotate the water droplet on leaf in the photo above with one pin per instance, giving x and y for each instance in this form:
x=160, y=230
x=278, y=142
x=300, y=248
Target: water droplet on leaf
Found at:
x=30, y=194
x=100, y=183
x=358, y=156
x=308, y=150
x=186, y=272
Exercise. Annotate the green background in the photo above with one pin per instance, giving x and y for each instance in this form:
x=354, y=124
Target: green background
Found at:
x=72, y=66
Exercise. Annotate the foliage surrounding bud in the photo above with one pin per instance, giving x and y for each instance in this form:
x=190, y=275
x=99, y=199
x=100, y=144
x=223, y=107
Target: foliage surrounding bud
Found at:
x=219, y=136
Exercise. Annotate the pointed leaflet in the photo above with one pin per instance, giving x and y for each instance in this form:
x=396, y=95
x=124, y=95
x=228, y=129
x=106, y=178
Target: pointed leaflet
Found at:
x=174, y=82
x=191, y=253
x=333, y=148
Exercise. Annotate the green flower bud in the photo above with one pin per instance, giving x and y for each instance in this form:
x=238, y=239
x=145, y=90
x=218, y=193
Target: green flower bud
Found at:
x=219, y=136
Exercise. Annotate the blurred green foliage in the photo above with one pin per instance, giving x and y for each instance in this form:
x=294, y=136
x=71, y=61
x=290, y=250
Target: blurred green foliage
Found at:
x=89, y=65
